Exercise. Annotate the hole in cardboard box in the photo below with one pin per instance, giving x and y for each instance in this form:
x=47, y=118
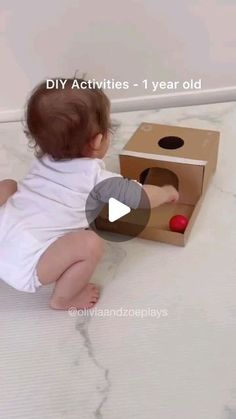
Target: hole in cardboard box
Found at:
x=171, y=143
x=159, y=177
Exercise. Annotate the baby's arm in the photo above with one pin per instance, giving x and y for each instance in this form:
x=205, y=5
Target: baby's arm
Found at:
x=132, y=193
x=158, y=195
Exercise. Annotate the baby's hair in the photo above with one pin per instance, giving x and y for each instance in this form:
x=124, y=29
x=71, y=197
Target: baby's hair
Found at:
x=61, y=122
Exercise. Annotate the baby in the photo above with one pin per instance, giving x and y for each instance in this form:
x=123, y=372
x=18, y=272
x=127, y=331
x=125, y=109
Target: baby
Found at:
x=44, y=235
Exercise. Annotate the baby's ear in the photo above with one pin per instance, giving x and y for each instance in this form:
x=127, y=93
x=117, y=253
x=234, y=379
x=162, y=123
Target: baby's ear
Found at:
x=97, y=141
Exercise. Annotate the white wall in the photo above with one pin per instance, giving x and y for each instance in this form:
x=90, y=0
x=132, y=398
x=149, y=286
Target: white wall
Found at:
x=124, y=39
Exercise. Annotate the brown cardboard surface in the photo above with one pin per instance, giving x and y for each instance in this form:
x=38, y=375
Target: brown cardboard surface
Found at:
x=157, y=227
x=198, y=144
x=210, y=167
x=190, y=177
x=189, y=168
x=160, y=176
x=159, y=217
x=149, y=233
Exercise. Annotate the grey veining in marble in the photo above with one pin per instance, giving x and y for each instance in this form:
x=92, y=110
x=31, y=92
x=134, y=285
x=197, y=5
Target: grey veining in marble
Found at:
x=181, y=365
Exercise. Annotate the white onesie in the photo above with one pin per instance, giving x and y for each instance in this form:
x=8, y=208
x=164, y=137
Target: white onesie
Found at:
x=49, y=202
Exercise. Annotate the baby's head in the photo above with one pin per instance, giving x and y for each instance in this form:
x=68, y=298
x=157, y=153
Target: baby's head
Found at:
x=68, y=123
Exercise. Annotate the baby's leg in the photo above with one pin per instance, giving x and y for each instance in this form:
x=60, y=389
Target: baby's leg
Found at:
x=7, y=188
x=71, y=261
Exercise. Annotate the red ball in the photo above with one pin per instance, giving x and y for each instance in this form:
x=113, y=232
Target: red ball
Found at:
x=178, y=223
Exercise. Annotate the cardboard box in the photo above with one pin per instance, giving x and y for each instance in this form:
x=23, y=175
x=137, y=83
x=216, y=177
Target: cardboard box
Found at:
x=163, y=154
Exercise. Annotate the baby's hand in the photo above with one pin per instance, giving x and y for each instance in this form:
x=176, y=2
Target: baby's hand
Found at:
x=172, y=195
x=158, y=195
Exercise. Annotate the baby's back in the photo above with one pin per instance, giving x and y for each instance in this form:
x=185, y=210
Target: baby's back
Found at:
x=51, y=199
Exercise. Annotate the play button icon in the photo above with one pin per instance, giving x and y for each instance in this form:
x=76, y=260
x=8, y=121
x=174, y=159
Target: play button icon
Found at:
x=116, y=210
x=112, y=209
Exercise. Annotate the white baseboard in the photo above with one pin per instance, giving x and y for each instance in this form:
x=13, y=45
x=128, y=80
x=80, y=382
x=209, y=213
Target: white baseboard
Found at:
x=15, y=115
x=172, y=100
x=139, y=103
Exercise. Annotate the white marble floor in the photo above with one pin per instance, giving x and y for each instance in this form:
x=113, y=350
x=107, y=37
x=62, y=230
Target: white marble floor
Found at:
x=178, y=364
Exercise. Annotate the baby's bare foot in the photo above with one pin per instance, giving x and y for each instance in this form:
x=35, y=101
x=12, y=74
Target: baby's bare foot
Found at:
x=87, y=298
